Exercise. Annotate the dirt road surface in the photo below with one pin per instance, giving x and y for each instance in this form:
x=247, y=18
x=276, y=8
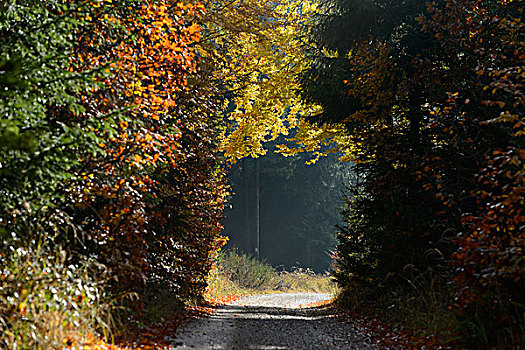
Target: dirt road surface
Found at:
x=272, y=321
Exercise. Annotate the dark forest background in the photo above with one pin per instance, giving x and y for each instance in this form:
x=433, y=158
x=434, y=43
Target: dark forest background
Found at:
x=299, y=208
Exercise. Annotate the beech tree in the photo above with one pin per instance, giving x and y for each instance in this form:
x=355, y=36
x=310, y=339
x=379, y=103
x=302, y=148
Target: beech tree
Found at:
x=254, y=53
x=109, y=152
x=157, y=191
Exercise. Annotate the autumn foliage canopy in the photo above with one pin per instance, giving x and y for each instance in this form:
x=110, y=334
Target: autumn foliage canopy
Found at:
x=114, y=160
x=119, y=118
x=431, y=99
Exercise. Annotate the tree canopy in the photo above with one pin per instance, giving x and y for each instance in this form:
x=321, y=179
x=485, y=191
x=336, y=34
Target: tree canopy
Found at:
x=431, y=100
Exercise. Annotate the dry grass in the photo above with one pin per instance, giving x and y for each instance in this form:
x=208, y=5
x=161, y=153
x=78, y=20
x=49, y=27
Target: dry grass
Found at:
x=305, y=280
x=45, y=303
x=239, y=274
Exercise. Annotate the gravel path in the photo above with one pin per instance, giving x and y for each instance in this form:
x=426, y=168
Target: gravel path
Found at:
x=271, y=321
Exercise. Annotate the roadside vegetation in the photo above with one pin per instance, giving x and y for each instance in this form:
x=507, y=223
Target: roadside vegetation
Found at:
x=113, y=119
x=430, y=98
x=237, y=274
x=48, y=302
x=120, y=119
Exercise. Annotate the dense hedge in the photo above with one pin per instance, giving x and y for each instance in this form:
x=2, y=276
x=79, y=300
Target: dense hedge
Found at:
x=108, y=161
x=431, y=98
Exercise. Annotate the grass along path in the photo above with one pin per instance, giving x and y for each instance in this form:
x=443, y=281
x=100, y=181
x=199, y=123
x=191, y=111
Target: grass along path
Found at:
x=238, y=274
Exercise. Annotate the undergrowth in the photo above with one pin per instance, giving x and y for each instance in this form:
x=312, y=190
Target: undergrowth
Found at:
x=418, y=307
x=46, y=302
x=237, y=273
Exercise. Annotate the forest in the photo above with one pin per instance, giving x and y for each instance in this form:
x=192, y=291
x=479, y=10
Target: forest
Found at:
x=298, y=208
x=130, y=128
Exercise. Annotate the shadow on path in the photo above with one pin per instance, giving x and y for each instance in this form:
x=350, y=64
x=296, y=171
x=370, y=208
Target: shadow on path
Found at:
x=260, y=327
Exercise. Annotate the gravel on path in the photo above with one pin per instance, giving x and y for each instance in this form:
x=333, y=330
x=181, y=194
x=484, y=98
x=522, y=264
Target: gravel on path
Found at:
x=272, y=321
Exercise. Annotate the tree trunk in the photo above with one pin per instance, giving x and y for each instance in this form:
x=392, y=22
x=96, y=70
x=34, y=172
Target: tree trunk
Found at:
x=257, y=211
x=245, y=180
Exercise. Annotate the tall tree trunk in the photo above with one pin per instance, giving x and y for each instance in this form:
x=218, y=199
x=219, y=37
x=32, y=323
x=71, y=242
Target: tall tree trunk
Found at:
x=257, y=211
x=245, y=180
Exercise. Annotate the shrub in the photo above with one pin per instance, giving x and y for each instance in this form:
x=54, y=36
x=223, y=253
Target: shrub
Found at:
x=247, y=271
x=239, y=273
